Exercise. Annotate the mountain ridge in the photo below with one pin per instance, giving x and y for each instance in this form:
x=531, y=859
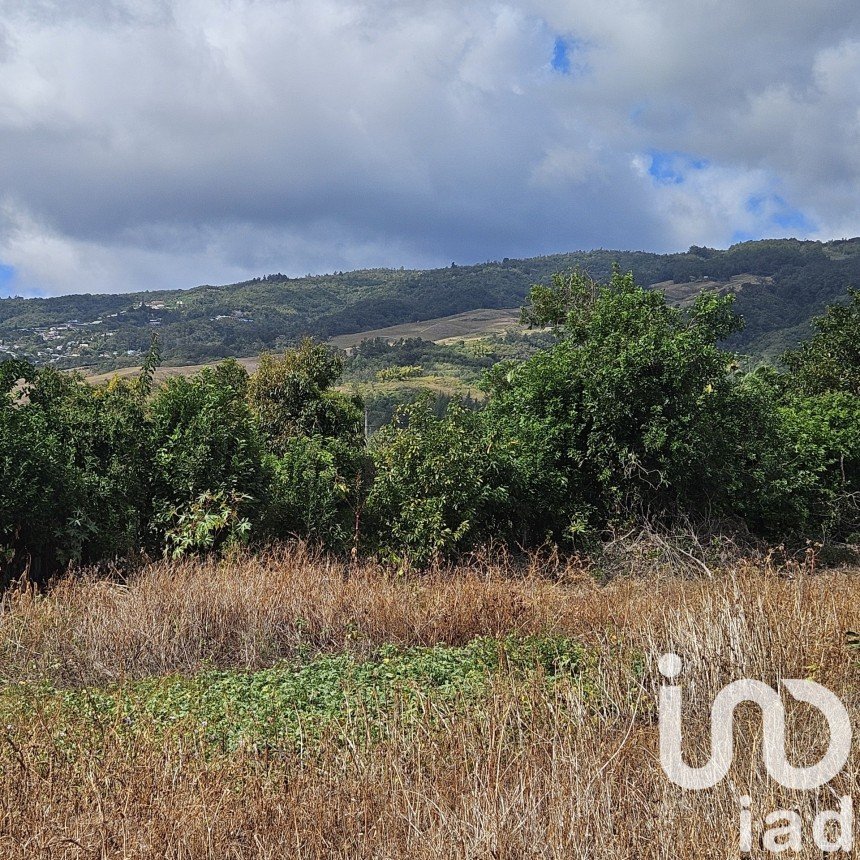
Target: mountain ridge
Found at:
x=780, y=285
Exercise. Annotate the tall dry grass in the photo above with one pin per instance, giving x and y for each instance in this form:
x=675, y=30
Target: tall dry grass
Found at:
x=530, y=774
x=251, y=611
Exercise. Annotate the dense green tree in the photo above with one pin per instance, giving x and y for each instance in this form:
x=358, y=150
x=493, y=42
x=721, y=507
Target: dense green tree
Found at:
x=317, y=466
x=439, y=486
x=822, y=404
x=824, y=434
x=830, y=360
x=73, y=469
x=636, y=409
x=316, y=491
x=208, y=474
x=292, y=395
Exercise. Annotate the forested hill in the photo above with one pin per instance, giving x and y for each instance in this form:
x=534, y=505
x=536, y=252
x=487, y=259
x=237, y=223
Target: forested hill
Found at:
x=780, y=285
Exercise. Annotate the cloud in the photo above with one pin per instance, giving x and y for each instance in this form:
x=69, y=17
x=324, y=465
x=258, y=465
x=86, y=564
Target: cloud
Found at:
x=158, y=144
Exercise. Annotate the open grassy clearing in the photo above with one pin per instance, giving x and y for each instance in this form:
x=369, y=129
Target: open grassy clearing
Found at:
x=466, y=325
x=685, y=292
x=166, y=371
x=436, y=383
x=296, y=706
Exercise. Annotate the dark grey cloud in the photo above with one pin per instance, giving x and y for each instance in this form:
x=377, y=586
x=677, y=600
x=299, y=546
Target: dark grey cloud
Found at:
x=154, y=144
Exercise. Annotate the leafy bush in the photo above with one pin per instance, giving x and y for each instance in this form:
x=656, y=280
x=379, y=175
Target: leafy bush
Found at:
x=438, y=487
x=291, y=395
x=634, y=410
x=317, y=468
x=830, y=360
x=207, y=459
x=211, y=520
x=399, y=372
x=637, y=411
x=825, y=431
x=73, y=469
x=316, y=489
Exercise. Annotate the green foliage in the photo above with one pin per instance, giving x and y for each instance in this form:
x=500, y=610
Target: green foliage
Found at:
x=631, y=410
x=209, y=323
x=150, y=365
x=830, y=360
x=208, y=477
x=211, y=520
x=390, y=375
x=373, y=359
x=291, y=395
x=637, y=411
x=73, y=469
x=821, y=406
x=89, y=473
x=316, y=489
x=824, y=430
x=403, y=371
x=317, y=467
x=624, y=407
x=438, y=488
x=560, y=304
x=288, y=705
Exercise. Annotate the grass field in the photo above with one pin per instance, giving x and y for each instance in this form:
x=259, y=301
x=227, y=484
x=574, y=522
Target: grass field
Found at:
x=294, y=706
x=166, y=371
x=464, y=326
x=684, y=292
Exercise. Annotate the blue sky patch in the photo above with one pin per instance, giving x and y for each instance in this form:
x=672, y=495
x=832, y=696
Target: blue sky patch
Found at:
x=778, y=213
x=7, y=276
x=755, y=204
x=568, y=56
x=560, y=57
x=671, y=168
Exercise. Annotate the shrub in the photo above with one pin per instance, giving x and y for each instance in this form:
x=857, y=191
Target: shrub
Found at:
x=290, y=395
x=73, y=469
x=208, y=451
x=316, y=490
x=438, y=488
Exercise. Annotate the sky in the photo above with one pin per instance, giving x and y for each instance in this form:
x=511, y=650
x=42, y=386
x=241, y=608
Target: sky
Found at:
x=155, y=144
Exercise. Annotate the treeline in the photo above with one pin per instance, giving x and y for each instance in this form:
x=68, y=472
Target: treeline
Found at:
x=634, y=411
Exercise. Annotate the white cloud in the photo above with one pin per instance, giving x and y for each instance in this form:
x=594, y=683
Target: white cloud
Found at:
x=167, y=143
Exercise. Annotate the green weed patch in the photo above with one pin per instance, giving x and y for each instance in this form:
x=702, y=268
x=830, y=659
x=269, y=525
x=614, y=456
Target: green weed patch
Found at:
x=289, y=705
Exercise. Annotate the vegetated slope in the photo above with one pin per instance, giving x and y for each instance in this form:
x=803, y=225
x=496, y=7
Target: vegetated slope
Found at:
x=780, y=284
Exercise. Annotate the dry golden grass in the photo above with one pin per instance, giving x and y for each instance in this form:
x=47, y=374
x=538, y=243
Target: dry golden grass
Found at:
x=251, y=611
x=165, y=371
x=466, y=325
x=533, y=772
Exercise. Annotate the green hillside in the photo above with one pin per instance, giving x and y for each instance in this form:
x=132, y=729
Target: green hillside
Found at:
x=780, y=285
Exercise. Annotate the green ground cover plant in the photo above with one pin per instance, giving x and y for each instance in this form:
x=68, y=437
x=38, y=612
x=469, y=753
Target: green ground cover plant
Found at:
x=290, y=705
